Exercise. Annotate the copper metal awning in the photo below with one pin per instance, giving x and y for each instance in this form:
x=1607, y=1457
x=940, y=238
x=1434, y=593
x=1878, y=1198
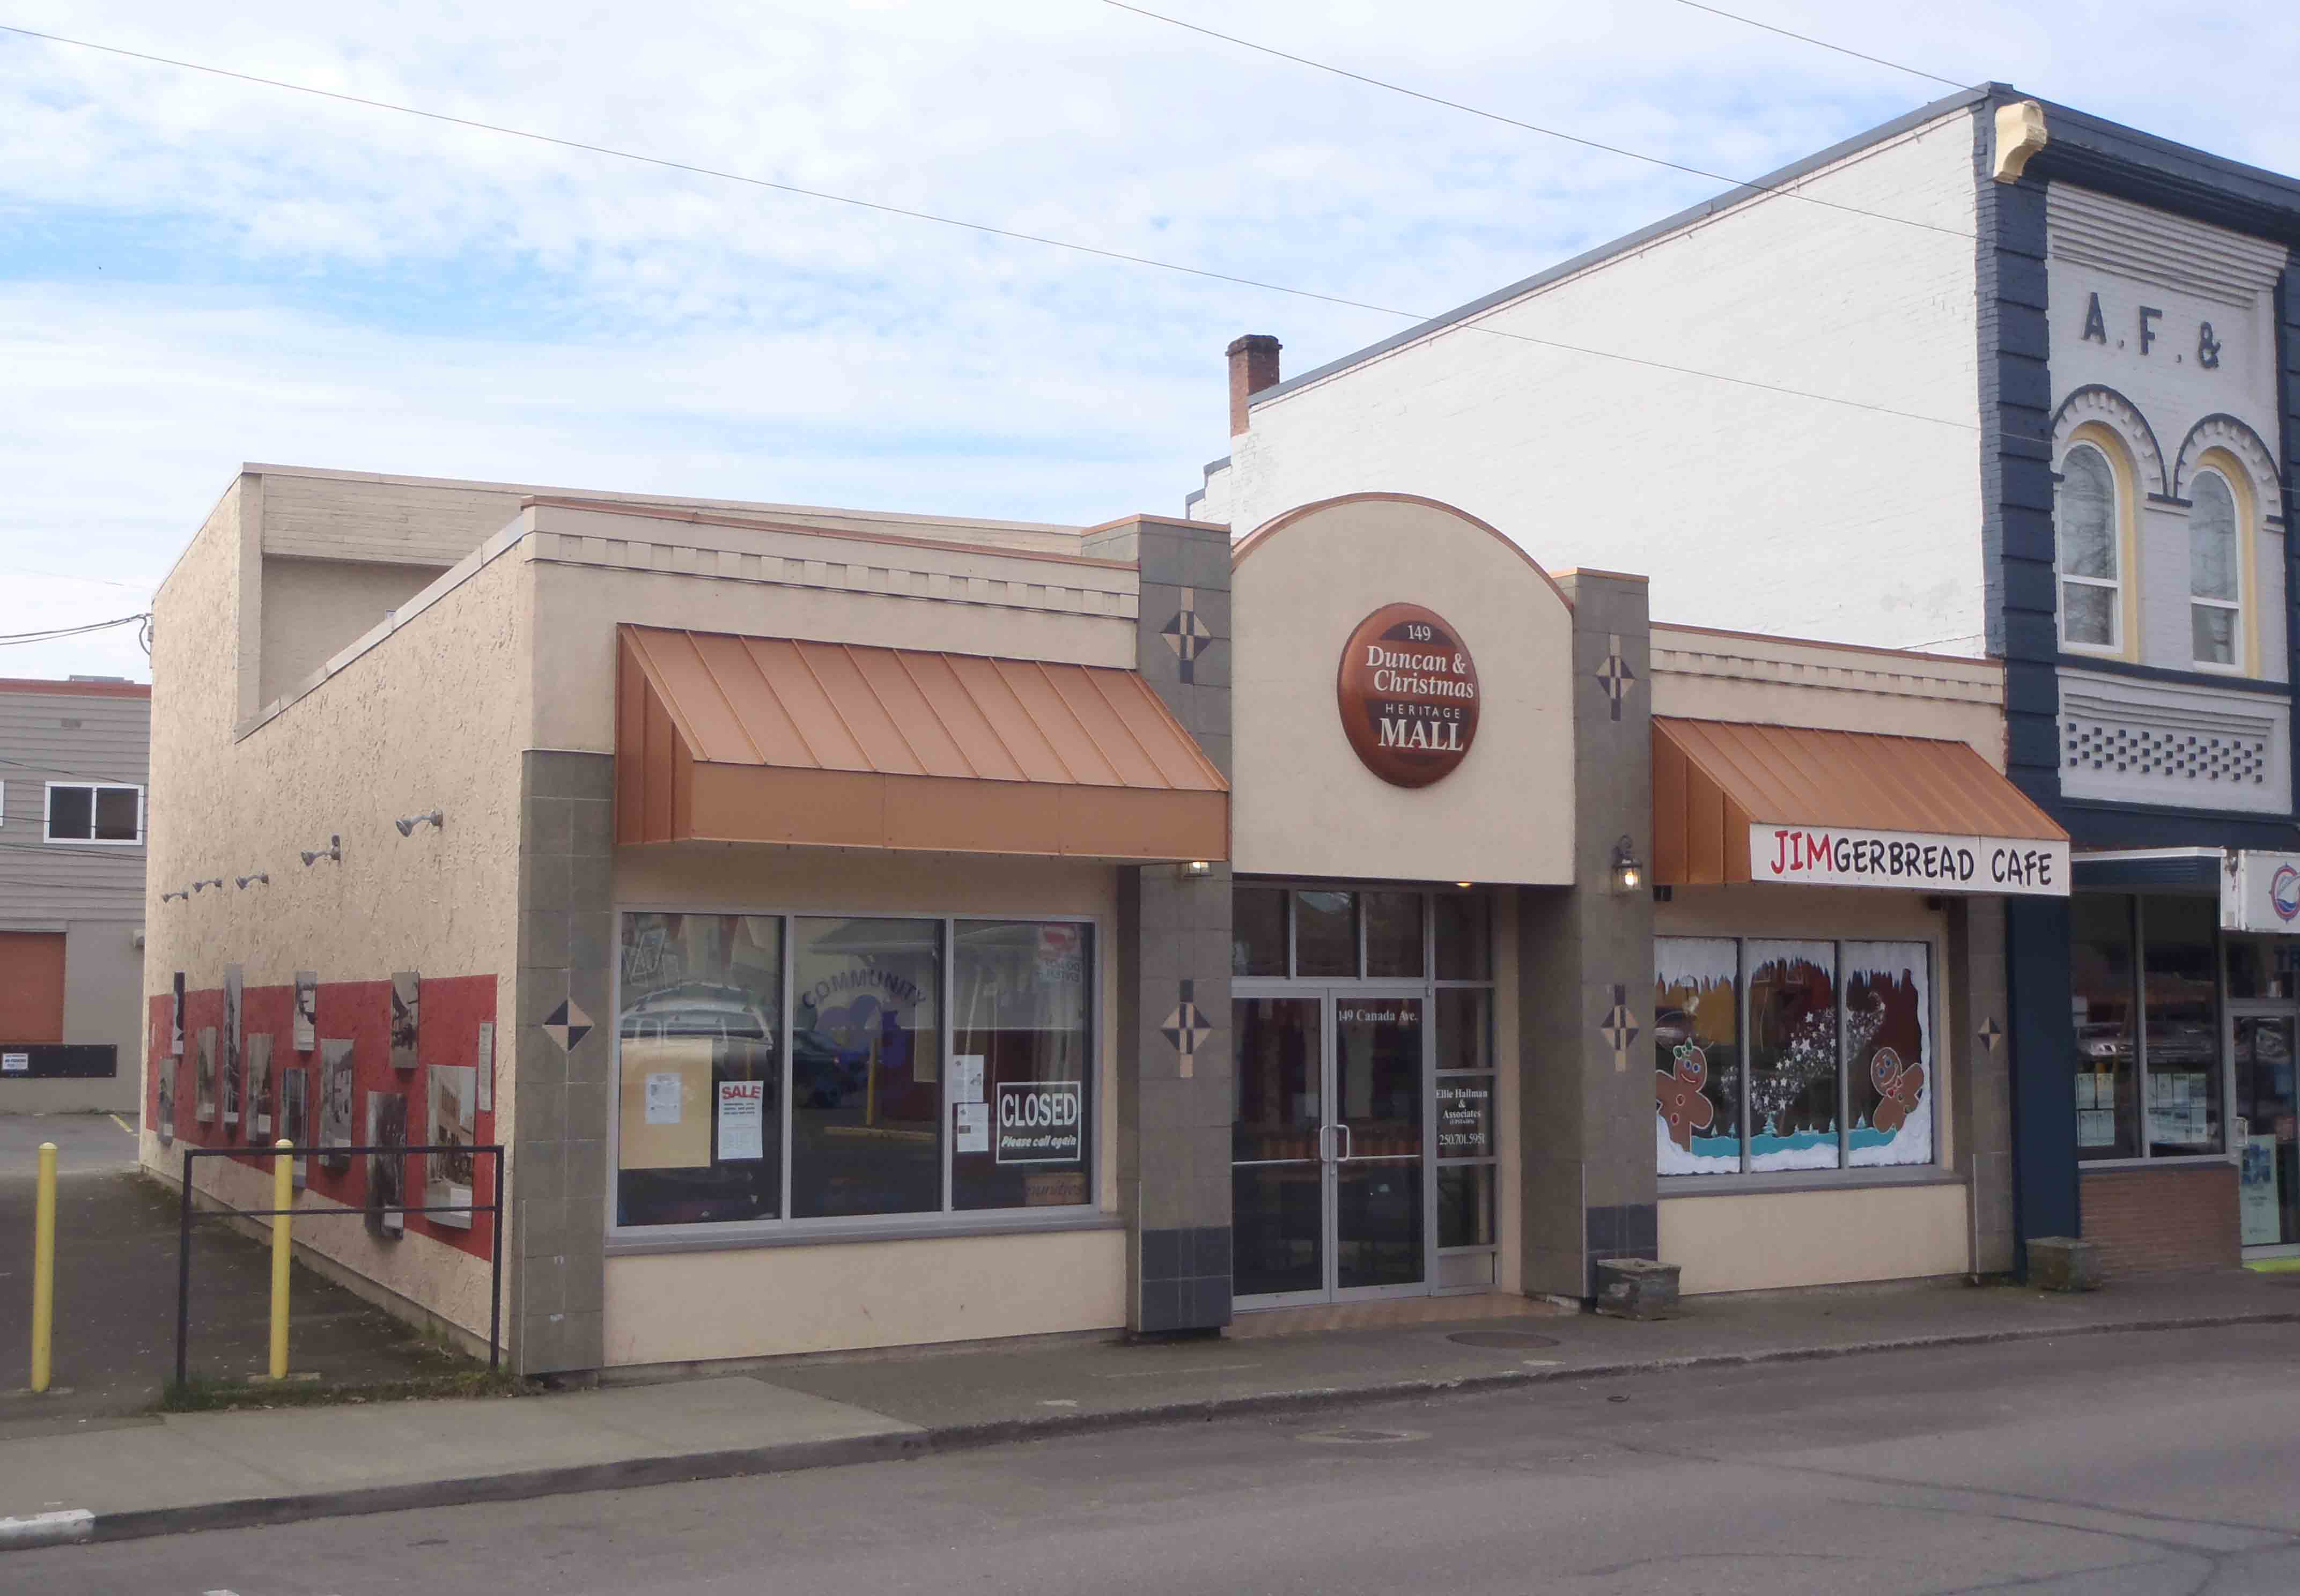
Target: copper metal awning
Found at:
x=1733, y=801
x=730, y=738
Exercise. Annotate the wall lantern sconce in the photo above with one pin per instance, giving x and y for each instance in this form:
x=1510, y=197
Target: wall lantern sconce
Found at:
x=1628, y=870
x=244, y=882
x=432, y=816
x=1197, y=869
x=333, y=853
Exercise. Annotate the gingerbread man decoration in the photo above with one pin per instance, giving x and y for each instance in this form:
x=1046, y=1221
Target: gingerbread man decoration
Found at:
x=1676, y=1095
x=1897, y=1085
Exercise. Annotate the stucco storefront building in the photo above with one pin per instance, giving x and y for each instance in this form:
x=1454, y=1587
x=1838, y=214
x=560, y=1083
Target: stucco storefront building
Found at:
x=868, y=931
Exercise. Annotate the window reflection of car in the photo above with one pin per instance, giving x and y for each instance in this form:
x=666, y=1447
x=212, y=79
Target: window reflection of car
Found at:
x=2107, y=1039
x=1672, y=1026
x=2176, y=1042
x=697, y=1009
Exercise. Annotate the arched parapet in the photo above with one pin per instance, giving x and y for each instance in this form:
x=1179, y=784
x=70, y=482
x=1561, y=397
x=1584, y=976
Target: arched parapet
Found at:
x=2245, y=446
x=2099, y=404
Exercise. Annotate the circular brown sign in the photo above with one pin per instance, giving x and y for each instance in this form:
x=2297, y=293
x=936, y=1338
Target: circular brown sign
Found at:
x=1409, y=695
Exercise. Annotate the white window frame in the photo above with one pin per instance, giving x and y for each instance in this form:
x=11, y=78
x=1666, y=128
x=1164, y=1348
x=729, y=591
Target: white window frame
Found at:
x=48, y=815
x=2241, y=602
x=2114, y=647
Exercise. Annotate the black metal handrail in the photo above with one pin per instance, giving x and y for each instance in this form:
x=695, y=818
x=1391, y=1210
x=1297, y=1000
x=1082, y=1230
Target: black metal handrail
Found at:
x=493, y=1149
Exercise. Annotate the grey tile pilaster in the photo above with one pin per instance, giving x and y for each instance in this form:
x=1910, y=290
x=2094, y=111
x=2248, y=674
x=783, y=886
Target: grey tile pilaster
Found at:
x=562, y=1053
x=1586, y=952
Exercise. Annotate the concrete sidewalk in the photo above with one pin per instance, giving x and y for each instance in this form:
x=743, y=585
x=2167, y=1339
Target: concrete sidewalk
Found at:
x=119, y=1478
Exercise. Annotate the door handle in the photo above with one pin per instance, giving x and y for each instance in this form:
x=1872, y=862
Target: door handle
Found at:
x=1349, y=1143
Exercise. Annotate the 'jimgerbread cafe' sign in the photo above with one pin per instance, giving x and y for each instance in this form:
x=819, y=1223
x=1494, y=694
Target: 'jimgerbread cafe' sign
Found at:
x=1915, y=862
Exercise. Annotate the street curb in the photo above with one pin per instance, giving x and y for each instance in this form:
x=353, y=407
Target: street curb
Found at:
x=78, y=1526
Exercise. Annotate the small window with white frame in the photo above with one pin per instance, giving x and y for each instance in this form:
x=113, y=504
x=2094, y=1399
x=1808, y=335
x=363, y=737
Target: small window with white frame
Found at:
x=2085, y=527
x=2215, y=574
x=95, y=813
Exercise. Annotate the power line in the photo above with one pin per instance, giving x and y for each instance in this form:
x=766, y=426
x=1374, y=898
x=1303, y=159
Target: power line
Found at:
x=1612, y=149
x=1806, y=38
x=57, y=576
x=53, y=770
x=886, y=210
x=54, y=634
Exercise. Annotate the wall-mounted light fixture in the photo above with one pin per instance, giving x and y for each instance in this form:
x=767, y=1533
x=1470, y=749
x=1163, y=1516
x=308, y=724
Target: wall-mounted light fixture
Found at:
x=1628, y=871
x=214, y=881
x=1196, y=869
x=333, y=853
x=181, y=892
x=408, y=823
x=263, y=876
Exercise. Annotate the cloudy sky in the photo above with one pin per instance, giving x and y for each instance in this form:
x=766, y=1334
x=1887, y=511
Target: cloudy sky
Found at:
x=195, y=272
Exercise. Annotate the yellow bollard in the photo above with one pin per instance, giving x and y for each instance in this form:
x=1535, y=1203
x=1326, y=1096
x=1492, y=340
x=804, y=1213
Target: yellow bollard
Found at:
x=283, y=1198
x=44, y=1270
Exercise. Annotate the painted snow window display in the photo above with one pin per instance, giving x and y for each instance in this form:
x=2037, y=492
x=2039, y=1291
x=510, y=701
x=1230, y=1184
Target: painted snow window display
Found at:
x=1793, y=1083
x=1839, y=1067
x=1697, y=1064
x=1888, y=1058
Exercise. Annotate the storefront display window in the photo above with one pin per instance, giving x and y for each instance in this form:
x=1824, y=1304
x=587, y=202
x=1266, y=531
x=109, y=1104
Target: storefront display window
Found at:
x=702, y=1019
x=2181, y=993
x=1021, y=1071
x=1888, y=1053
x=853, y=1104
x=1840, y=1072
x=1258, y=931
x=2150, y=1076
x=2102, y=990
x=1697, y=1040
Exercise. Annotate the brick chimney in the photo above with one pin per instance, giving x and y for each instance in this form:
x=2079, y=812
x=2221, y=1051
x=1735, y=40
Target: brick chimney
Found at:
x=1253, y=366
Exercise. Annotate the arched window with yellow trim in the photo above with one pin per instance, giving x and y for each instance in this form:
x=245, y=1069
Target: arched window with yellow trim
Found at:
x=2087, y=529
x=2215, y=574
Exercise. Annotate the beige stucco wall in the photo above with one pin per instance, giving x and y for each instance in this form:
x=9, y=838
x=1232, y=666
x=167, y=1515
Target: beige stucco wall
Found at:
x=436, y=715
x=676, y=1307
x=592, y=572
x=1704, y=675
x=1780, y=1239
x=1304, y=803
x=312, y=608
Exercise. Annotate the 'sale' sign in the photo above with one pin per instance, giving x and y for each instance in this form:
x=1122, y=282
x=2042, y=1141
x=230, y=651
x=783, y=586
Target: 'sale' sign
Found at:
x=1408, y=691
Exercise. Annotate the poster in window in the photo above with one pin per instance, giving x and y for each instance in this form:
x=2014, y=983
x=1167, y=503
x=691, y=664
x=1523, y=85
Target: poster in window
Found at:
x=259, y=1087
x=1889, y=1054
x=407, y=990
x=1793, y=1056
x=742, y=1121
x=448, y=1178
x=307, y=1010
x=387, y=1171
x=231, y=1070
x=335, y=1103
x=666, y=1095
x=203, y=1077
x=1697, y=1056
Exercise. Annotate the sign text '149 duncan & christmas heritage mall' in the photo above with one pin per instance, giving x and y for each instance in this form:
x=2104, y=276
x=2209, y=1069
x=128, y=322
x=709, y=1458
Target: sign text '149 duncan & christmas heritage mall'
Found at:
x=1408, y=693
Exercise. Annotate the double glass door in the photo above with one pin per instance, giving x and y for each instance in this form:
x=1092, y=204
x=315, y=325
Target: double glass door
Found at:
x=1328, y=1154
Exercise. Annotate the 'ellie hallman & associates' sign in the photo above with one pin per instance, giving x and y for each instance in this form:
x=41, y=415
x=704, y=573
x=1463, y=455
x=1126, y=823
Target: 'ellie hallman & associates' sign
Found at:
x=1833, y=856
x=1408, y=691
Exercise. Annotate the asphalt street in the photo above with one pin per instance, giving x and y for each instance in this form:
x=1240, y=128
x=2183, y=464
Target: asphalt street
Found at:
x=2110, y=1465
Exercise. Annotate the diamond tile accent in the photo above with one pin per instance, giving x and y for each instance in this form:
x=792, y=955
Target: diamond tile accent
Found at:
x=567, y=1025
